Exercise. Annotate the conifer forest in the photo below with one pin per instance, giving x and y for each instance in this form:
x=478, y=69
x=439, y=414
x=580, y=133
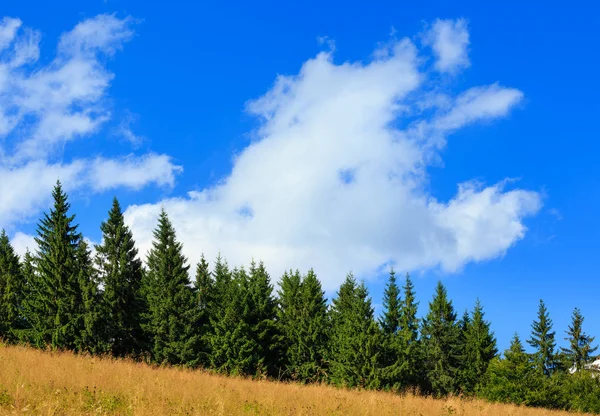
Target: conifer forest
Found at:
x=241, y=321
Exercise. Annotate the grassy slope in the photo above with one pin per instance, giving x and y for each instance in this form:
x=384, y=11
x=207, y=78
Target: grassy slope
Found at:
x=37, y=382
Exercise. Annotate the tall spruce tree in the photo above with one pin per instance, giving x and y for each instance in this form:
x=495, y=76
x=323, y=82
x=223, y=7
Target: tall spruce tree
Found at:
x=411, y=353
x=204, y=285
x=120, y=272
x=356, y=341
x=440, y=335
x=52, y=305
x=231, y=343
x=302, y=317
x=288, y=319
x=11, y=291
x=542, y=339
x=480, y=349
x=172, y=307
x=91, y=322
x=392, y=360
x=580, y=349
x=261, y=312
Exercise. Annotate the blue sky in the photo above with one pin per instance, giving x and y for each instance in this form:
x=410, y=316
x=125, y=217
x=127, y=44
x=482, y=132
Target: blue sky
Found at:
x=334, y=136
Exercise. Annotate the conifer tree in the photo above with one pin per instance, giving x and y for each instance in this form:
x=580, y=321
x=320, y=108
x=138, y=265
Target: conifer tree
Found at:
x=172, y=307
x=411, y=353
x=391, y=355
x=231, y=343
x=11, y=291
x=441, y=344
x=204, y=285
x=261, y=312
x=52, y=306
x=480, y=349
x=542, y=339
x=302, y=317
x=288, y=320
x=120, y=272
x=356, y=341
x=580, y=348
x=91, y=323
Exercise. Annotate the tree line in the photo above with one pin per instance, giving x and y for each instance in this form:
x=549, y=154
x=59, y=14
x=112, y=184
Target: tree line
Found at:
x=233, y=321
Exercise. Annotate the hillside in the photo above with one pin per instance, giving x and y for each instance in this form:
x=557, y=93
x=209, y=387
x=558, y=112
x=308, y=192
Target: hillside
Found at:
x=36, y=382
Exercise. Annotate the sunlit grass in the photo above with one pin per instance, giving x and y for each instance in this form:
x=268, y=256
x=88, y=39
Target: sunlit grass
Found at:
x=53, y=383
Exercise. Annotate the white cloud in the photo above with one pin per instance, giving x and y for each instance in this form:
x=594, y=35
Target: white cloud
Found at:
x=449, y=40
x=22, y=242
x=332, y=181
x=43, y=107
x=132, y=172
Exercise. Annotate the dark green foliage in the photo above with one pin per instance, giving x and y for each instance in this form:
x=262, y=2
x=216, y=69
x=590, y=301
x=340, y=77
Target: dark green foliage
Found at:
x=260, y=315
x=355, y=338
x=302, y=317
x=120, y=272
x=392, y=359
x=171, y=320
x=542, y=339
x=479, y=348
x=580, y=348
x=52, y=307
x=91, y=325
x=440, y=335
x=230, y=341
x=204, y=285
x=411, y=355
x=12, y=287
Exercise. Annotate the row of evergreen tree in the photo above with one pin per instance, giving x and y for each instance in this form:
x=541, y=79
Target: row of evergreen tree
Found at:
x=232, y=321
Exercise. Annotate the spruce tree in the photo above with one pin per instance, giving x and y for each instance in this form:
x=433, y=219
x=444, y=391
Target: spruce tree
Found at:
x=313, y=329
x=231, y=343
x=261, y=312
x=91, y=322
x=52, y=305
x=441, y=344
x=542, y=339
x=480, y=349
x=580, y=348
x=302, y=317
x=11, y=291
x=172, y=307
x=411, y=352
x=356, y=341
x=391, y=355
x=288, y=320
x=120, y=272
x=204, y=285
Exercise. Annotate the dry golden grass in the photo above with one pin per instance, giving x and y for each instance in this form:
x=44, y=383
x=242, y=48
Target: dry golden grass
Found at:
x=36, y=382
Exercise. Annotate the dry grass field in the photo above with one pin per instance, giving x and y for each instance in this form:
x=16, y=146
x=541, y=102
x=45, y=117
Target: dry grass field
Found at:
x=37, y=382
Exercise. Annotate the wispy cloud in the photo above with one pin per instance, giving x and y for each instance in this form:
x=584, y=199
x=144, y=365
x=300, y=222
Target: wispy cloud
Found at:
x=328, y=121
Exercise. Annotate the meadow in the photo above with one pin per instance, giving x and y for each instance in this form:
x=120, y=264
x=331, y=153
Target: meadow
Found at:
x=62, y=383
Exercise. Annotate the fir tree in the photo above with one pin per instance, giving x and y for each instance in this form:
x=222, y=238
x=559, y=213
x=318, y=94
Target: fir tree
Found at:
x=91, y=322
x=261, y=311
x=289, y=319
x=172, y=308
x=580, y=348
x=231, y=343
x=391, y=356
x=356, y=343
x=411, y=353
x=52, y=306
x=441, y=344
x=542, y=339
x=11, y=291
x=302, y=317
x=204, y=285
x=480, y=349
x=120, y=272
